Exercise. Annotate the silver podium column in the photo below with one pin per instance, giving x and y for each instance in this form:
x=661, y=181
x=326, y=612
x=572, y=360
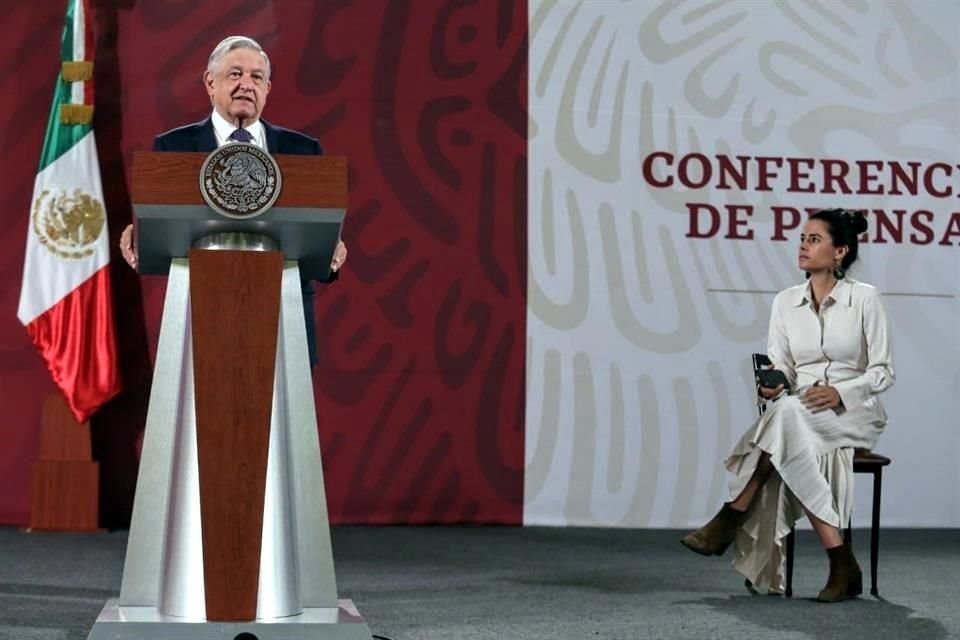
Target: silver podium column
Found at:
x=162, y=592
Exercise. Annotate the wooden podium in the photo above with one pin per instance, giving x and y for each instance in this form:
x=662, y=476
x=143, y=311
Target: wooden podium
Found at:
x=229, y=536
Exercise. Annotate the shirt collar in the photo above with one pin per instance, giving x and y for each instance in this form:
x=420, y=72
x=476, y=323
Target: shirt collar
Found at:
x=223, y=129
x=842, y=293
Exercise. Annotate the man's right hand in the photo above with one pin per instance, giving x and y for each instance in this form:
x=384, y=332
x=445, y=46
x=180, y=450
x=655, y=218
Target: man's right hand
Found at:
x=126, y=246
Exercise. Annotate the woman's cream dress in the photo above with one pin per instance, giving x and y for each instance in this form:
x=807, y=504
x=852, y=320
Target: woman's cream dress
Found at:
x=846, y=345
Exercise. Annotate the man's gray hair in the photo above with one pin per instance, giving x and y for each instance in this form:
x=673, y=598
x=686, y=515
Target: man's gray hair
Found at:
x=235, y=42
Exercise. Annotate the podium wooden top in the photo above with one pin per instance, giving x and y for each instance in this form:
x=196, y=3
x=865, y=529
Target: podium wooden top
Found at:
x=173, y=178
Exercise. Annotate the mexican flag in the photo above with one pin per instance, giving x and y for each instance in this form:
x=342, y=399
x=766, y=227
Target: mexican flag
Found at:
x=65, y=293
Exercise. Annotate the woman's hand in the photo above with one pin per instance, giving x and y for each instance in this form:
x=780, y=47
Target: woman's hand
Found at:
x=127, y=249
x=820, y=398
x=768, y=393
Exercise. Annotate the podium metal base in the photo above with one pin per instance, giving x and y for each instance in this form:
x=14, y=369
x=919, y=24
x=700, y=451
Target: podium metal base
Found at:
x=146, y=623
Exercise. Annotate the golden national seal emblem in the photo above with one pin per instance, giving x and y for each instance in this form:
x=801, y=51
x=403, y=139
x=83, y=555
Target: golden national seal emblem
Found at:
x=68, y=224
x=240, y=180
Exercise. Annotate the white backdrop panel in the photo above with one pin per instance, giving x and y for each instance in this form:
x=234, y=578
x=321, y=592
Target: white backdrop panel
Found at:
x=638, y=368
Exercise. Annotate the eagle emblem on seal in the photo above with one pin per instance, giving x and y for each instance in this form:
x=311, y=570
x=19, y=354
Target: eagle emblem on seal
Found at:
x=240, y=180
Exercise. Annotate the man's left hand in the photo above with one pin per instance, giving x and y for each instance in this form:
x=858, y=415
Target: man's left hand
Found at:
x=339, y=256
x=820, y=398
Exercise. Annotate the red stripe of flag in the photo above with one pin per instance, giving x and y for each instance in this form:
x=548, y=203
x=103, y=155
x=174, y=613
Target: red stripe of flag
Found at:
x=73, y=336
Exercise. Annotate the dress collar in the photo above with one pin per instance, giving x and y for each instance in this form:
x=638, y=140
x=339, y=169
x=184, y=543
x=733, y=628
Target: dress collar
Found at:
x=842, y=293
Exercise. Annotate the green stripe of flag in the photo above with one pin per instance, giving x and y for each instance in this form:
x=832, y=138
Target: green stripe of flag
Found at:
x=66, y=42
x=59, y=137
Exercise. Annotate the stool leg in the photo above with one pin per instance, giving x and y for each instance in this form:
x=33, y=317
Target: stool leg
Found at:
x=790, y=541
x=875, y=530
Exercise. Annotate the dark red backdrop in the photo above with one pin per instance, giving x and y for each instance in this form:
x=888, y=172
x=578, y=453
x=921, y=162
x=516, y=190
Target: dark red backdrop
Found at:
x=420, y=389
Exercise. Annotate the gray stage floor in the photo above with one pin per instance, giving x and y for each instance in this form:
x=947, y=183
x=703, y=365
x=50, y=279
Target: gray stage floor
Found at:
x=510, y=583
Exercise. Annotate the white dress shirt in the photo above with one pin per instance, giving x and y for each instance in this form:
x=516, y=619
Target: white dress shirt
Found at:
x=222, y=129
x=846, y=344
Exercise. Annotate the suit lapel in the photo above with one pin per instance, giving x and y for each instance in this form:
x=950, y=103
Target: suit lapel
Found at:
x=272, y=135
x=205, y=138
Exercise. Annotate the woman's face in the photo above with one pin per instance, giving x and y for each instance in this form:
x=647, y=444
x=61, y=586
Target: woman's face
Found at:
x=817, y=251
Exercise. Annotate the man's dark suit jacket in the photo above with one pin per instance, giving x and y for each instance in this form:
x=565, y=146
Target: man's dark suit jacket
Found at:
x=201, y=137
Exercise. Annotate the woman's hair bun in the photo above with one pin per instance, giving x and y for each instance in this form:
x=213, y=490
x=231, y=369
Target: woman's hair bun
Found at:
x=857, y=220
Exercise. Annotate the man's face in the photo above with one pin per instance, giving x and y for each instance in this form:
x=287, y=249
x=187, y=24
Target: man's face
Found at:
x=239, y=85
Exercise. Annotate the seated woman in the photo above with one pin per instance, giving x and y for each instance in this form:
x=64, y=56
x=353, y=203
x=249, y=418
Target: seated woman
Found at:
x=830, y=337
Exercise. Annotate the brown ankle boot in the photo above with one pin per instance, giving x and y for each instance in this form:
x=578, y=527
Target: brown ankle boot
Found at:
x=713, y=538
x=846, y=580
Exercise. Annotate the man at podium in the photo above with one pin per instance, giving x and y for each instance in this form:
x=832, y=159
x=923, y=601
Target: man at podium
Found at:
x=237, y=80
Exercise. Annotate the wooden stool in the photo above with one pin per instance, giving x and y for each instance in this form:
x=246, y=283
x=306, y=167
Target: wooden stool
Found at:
x=863, y=462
